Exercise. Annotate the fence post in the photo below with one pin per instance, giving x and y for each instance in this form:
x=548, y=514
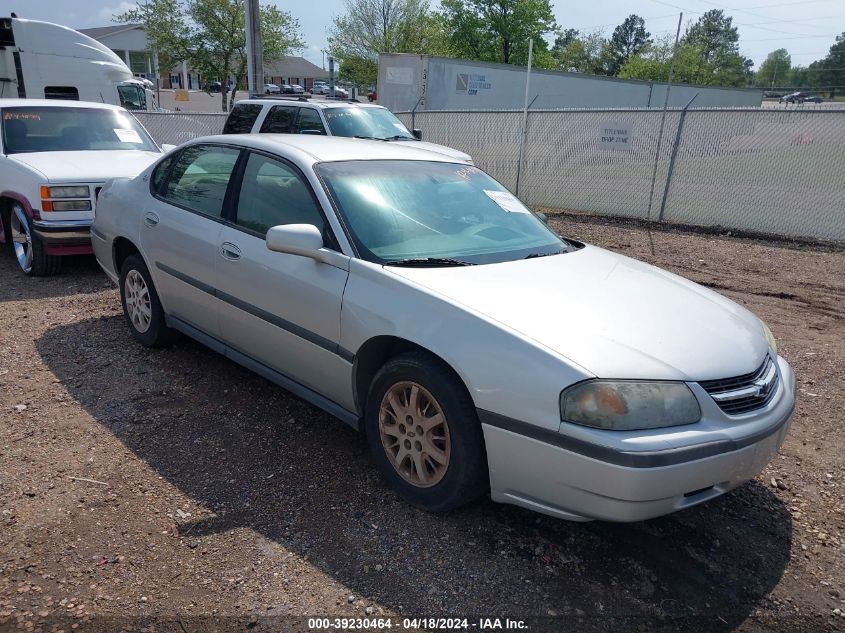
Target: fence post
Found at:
x=674, y=155
x=524, y=115
x=414, y=112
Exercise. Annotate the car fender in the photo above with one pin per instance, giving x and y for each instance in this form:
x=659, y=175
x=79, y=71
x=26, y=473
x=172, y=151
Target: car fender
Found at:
x=31, y=213
x=488, y=357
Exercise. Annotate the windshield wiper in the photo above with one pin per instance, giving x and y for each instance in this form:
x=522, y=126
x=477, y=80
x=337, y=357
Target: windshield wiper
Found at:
x=533, y=255
x=370, y=138
x=401, y=137
x=428, y=261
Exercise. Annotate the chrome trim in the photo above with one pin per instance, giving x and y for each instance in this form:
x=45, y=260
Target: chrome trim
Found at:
x=62, y=224
x=755, y=389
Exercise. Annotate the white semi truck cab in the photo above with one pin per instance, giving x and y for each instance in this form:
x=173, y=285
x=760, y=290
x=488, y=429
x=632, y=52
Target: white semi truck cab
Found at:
x=42, y=60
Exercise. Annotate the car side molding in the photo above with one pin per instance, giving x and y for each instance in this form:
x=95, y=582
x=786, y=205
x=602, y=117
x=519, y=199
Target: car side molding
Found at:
x=630, y=459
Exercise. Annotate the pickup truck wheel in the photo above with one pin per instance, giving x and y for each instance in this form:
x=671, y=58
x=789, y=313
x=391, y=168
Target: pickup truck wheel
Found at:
x=141, y=305
x=29, y=249
x=424, y=434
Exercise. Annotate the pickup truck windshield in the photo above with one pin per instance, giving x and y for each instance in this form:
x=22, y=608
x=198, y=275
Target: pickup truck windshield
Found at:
x=404, y=212
x=57, y=129
x=377, y=123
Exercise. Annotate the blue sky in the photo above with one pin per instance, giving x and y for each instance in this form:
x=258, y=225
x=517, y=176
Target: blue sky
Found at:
x=806, y=28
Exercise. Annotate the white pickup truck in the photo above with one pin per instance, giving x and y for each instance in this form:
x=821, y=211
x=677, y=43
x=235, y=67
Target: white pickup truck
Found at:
x=54, y=158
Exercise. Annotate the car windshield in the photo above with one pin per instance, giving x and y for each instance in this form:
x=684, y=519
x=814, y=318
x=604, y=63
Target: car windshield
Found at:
x=57, y=129
x=377, y=123
x=432, y=213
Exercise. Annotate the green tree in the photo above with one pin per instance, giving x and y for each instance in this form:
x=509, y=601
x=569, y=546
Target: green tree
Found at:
x=573, y=52
x=628, y=39
x=370, y=27
x=360, y=71
x=717, y=40
x=775, y=70
x=499, y=30
x=211, y=35
x=654, y=61
x=828, y=74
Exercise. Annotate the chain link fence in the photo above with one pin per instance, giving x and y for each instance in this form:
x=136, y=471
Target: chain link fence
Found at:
x=776, y=171
x=179, y=127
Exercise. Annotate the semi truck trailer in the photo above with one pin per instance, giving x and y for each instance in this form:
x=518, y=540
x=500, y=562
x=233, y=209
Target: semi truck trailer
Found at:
x=42, y=60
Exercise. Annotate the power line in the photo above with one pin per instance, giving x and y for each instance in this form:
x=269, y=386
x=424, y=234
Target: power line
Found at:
x=675, y=6
x=787, y=4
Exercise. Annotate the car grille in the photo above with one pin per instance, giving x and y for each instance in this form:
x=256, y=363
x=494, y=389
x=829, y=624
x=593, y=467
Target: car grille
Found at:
x=743, y=394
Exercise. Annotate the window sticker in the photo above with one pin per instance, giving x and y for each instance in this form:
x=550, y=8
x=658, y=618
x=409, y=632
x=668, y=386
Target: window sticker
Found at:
x=507, y=201
x=128, y=136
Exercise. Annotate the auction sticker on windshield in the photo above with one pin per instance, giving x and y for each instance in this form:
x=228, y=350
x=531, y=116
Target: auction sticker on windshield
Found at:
x=507, y=201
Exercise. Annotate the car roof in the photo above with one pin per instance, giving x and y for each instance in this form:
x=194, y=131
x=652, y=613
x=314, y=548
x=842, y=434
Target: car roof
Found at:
x=57, y=103
x=316, y=104
x=311, y=148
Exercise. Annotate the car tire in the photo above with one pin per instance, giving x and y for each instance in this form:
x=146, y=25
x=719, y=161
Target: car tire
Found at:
x=141, y=305
x=29, y=249
x=437, y=468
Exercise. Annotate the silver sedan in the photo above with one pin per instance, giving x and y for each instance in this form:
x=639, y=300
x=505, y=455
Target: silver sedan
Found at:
x=419, y=301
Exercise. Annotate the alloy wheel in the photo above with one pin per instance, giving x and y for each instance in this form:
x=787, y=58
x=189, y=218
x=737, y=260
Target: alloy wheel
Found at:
x=415, y=434
x=137, y=296
x=21, y=238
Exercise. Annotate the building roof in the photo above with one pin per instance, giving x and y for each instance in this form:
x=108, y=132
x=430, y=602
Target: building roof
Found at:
x=291, y=66
x=102, y=31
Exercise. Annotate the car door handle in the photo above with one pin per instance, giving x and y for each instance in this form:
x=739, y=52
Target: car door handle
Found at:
x=230, y=251
x=151, y=219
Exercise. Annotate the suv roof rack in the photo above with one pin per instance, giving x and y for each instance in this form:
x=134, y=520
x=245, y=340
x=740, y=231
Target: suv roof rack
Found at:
x=282, y=97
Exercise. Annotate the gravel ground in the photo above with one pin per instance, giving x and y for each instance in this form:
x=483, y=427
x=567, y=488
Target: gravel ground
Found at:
x=175, y=490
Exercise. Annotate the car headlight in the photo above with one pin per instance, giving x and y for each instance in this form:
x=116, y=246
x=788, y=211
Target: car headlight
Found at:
x=629, y=405
x=76, y=191
x=770, y=338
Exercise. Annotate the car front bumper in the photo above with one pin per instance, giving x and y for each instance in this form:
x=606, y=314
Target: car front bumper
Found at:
x=537, y=473
x=63, y=232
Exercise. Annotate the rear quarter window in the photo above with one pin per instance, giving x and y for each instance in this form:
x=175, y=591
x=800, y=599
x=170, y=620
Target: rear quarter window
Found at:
x=242, y=118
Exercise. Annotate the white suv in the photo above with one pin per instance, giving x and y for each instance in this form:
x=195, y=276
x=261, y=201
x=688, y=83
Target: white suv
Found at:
x=56, y=156
x=332, y=118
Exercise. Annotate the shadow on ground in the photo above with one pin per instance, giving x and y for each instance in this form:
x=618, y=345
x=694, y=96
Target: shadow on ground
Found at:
x=260, y=458
x=80, y=274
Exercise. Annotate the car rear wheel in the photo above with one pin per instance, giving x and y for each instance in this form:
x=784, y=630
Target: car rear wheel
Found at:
x=424, y=434
x=29, y=249
x=141, y=305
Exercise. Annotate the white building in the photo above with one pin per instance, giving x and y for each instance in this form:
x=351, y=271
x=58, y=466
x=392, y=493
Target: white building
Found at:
x=130, y=42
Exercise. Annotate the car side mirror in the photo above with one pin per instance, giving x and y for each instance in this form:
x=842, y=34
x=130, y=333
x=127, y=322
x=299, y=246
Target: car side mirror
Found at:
x=304, y=240
x=417, y=133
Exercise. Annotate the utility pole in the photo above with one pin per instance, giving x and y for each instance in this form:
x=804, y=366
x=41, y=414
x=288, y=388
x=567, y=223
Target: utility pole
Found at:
x=254, y=49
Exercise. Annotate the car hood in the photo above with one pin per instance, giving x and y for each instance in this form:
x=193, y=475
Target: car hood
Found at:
x=613, y=316
x=440, y=149
x=87, y=166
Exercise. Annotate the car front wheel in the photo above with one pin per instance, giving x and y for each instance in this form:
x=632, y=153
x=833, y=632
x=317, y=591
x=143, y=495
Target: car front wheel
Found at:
x=32, y=258
x=141, y=305
x=424, y=434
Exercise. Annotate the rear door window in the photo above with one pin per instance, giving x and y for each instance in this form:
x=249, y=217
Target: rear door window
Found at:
x=200, y=178
x=242, y=118
x=279, y=120
x=309, y=120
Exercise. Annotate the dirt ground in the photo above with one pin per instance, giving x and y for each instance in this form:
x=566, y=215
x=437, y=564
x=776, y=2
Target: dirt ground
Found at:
x=173, y=490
